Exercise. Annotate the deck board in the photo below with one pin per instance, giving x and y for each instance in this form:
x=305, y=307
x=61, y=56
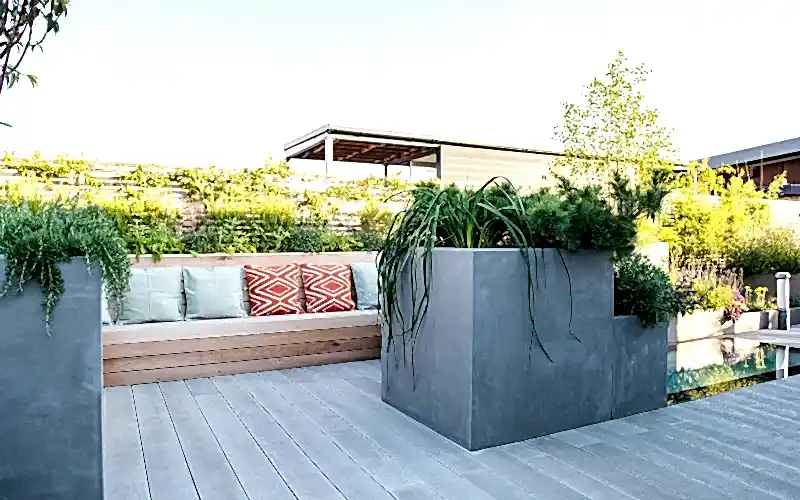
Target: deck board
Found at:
x=322, y=433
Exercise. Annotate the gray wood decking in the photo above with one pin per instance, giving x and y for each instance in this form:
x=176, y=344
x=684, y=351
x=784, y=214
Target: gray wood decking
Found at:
x=323, y=433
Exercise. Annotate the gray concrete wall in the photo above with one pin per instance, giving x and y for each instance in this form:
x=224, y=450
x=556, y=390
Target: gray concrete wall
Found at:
x=640, y=368
x=480, y=377
x=50, y=401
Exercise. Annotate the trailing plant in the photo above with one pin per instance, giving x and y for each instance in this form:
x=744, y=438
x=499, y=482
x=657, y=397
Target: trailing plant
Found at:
x=643, y=290
x=34, y=238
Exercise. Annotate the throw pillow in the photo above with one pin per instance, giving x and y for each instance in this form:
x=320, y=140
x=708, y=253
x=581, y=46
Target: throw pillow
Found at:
x=214, y=292
x=155, y=295
x=327, y=287
x=365, y=278
x=273, y=290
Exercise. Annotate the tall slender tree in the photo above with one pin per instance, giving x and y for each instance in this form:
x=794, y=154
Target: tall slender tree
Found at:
x=613, y=132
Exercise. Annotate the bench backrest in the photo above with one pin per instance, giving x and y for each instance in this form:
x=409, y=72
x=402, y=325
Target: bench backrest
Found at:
x=255, y=259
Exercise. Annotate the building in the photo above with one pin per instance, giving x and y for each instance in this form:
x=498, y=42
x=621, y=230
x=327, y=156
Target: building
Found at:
x=766, y=162
x=451, y=161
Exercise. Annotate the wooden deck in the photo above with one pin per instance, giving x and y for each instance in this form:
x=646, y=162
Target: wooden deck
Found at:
x=323, y=433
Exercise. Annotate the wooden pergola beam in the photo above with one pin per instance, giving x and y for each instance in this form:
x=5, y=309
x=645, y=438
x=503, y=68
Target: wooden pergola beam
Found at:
x=408, y=156
x=361, y=152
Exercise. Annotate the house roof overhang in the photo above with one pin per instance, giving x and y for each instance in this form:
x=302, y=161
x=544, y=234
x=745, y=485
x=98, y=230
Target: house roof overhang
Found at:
x=360, y=146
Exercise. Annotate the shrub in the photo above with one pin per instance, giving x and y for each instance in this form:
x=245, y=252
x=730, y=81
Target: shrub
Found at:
x=642, y=289
x=697, y=226
x=258, y=226
x=768, y=252
x=374, y=218
x=307, y=239
x=148, y=226
x=35, y=239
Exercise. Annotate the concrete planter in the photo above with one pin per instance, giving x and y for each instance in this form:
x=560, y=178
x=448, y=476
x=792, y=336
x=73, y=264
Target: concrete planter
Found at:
x=640, y=367
x=478, y=376
x=50, y=424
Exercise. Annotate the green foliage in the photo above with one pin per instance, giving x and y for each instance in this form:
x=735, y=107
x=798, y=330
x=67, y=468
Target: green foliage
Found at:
x=367, y=189
x=257, y=226
x=714, y=288
x=496, y=215
x=644, y=290
x=213, y=185
x=697, y=226
x=148, y=225
x=768, y=252
x=375, y=219
x=34, y=238
x=614, y=133
x=26, y=24
x=72, y=171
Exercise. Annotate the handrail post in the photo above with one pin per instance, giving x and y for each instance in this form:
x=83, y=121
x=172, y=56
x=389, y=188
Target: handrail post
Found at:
x=784, y=323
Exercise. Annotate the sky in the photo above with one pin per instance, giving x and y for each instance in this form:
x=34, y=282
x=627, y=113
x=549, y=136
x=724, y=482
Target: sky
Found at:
x=200, y=82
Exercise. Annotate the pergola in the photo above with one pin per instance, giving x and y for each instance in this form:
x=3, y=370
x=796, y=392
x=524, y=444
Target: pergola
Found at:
x=342, y=144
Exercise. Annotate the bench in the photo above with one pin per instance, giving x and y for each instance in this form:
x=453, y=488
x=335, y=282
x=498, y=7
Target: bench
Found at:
x=153, y=352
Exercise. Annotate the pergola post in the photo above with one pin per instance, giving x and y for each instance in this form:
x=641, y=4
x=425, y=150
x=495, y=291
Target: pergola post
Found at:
x=328, y=155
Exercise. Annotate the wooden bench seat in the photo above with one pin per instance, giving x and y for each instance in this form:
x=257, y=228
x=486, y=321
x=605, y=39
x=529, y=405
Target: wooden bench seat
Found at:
x=136, y=354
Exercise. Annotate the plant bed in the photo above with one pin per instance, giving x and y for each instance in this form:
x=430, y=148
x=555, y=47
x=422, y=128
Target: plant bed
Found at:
x=478, y=373
x=51, y=349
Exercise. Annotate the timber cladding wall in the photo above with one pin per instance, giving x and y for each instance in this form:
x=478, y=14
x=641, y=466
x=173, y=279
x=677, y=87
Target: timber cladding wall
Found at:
x=474, y=166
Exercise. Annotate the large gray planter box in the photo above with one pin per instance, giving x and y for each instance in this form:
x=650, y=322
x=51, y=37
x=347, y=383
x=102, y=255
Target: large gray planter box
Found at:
x=640, y=367
x=478, y=376
x=50, y=391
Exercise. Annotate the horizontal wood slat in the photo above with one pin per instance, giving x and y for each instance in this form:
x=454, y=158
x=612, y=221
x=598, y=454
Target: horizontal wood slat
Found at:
x=136, y=354
x=123, y=334
x=236, y=367
x=237, y=354
x=211, y=343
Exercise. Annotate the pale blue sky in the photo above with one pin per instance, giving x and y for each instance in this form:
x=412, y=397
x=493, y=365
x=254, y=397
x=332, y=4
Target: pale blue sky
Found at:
x=197, y=82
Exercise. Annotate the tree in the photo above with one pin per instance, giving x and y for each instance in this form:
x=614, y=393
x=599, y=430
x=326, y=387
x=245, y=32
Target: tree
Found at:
x=614, y=133
x=24, y=25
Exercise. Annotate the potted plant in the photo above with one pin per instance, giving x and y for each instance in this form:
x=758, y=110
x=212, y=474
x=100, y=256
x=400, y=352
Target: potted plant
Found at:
x=55, y=260
x=497, y=307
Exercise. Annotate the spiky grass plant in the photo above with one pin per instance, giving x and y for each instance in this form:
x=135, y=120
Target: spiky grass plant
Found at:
x=496, y=216
x=35, y=236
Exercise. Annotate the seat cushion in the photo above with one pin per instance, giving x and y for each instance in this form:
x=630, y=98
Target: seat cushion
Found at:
x=365, y=279
x=214, y=292
x=327, y=287
x=155, y=295
x=274, y=289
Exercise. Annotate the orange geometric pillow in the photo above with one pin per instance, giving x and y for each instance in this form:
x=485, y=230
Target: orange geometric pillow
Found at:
x=327, y=287
x=273, y=290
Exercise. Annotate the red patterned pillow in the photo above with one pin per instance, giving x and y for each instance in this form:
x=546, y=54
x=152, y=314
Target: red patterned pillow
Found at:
x=327, y=288
x=273, y=290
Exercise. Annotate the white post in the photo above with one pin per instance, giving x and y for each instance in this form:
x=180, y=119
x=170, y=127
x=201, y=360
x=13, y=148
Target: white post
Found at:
x=328, y=155
x=784, y=323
